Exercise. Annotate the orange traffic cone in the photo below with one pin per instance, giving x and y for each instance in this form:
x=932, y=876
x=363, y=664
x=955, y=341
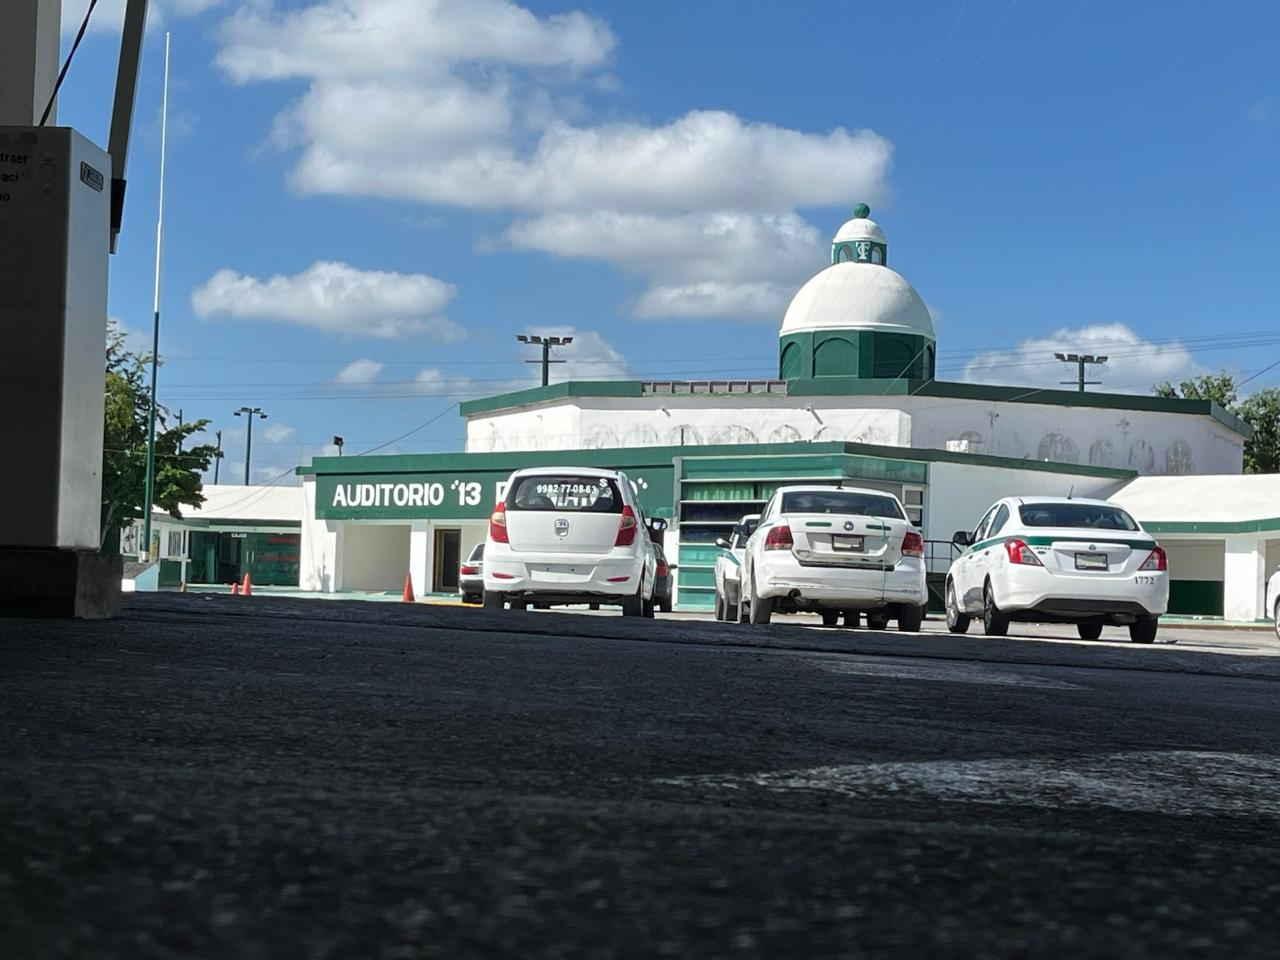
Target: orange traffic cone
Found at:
x=408, y=588
x=247, y=590
x=235, y=588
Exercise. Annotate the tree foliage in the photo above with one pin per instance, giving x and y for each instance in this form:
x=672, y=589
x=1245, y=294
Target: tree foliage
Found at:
x=178, y=467
x=1261, y=410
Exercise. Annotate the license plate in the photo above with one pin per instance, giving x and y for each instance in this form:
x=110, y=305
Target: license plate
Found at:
x=1091, y=561
x=839, y=542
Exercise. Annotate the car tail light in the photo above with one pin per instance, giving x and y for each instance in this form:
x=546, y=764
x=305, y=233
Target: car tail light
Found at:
x=662, y=569
x=1157, y=560
x=912, y=544
x=779, y=538
x=627, y=527
x=498, y=524
x=468, y=571
x=1019, y=552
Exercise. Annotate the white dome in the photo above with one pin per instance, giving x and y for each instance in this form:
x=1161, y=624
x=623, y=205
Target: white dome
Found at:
x=858, y=296
x=860, y=228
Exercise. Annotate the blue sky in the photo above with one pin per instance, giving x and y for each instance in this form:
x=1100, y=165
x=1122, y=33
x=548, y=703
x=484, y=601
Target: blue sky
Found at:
x=367, y=200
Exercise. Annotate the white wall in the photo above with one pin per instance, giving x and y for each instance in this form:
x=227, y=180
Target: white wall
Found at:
x=959, y=493
x=318, y=554
x=1144, y=441
x=375, y=556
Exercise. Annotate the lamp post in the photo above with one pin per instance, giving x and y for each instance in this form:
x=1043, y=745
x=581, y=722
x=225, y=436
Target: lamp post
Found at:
x=338, y=442
x=217, y=456
x=1080, y=360
x=546, y=343
x=249, y=413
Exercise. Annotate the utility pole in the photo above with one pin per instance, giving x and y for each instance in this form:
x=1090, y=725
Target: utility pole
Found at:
x=249, y=413
x=1080, y=360
x=546, y=343
x=338, y=442
x=217, y=456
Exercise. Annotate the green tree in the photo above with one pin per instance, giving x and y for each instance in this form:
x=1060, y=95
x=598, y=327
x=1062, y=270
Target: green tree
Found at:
x=179, y=467
x=1261, y=410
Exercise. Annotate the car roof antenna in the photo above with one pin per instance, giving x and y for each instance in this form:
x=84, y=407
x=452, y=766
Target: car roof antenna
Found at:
x=1071, y=490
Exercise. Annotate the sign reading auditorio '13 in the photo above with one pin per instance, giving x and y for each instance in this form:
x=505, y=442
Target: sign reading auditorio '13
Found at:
x=455, y=496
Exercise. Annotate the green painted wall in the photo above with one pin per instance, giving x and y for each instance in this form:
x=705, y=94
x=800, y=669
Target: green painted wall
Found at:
x=1196, y=597
x=859, y=354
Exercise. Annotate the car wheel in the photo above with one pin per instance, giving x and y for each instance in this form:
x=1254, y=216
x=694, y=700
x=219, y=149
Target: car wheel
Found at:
x=664, y=605
x=1143, y=630
x=634, y=606
x=1089, y=631
x=830, y=618
x=593, y=606
x=995, y=622
x=957, y=619
x=1277, y=612
x=494, y=600
x=853, y=618
x=519, y=604
x=910, y=617
x=761, y=611
x=877, y=620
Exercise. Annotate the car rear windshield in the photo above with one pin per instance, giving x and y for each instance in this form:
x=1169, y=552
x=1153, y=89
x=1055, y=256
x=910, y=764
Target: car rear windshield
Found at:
x=842, y=501
x=561, y=493
x=477, y=553
x=1086, y=516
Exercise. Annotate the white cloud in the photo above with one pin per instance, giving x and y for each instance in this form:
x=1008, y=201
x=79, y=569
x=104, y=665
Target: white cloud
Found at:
x=359, y=371
x=276, y=432
x=433, y=382
x=589, y=357
x=475, y=104
x=1133, y=365
x=335, y=298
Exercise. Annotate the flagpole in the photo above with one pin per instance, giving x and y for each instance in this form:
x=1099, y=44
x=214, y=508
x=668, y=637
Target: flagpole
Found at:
x=149, y=492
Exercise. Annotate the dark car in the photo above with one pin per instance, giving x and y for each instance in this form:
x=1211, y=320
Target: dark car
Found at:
x=662, y=583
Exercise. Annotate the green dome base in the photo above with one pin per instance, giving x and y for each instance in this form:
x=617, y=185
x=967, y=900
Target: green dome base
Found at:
x=864, y=354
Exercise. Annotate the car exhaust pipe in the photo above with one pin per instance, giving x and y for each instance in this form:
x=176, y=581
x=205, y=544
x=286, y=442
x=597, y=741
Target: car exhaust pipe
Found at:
x=794, y=597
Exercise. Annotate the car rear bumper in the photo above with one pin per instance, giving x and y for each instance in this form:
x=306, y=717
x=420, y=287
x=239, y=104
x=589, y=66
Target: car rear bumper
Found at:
x=1035, y=593
x=565, y=579
x=470, y=585
x=779, y=574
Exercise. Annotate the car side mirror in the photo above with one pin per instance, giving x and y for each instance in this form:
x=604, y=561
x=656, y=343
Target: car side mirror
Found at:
x=657, y=525
x=722, y=543
x=962, y=538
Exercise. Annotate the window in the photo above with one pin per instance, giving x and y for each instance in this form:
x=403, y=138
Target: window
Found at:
x=477, y=553
x=742, y=532
x=567, y=492
x=1081, y=516
x=1001, y=518
x=842, y=501
x=913, y=500
x=981, y=532
x=175, y=544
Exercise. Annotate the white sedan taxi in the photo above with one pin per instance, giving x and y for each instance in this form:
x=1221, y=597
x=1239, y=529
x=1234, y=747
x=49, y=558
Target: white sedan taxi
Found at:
x=728, y=564
x=1058, y=560
x=565, y=535
x=835, y=550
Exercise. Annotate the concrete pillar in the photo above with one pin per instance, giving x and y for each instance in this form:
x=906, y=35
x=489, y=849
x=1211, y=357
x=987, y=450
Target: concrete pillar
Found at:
x=420, y=536
x=28, y=60
x=1244, y=577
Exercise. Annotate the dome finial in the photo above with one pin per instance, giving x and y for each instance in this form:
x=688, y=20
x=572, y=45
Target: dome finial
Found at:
x=861, y=211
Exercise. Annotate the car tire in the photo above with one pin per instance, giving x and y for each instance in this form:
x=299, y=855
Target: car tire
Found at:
x=649, y=607
x=519, y=604
x=957, y=619
x=877, y=620
x=663, y=605
x=760, y=611
x=1143, y=630
x=910, y=617
x=1277, y=614
x=494, y=600
x=995, y=622
x=830, y=618
x=852, y=619
x=1089, y=631
x=633, y=606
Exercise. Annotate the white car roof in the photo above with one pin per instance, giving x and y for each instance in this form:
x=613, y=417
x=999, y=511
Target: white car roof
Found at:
x=562, y=471
x=828, y=487
x=1086, y=500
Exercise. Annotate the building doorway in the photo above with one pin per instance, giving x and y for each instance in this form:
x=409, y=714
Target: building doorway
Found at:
x=448, y=554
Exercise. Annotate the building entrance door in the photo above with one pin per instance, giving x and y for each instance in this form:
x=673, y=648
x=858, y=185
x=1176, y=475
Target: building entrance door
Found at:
x=447, y=557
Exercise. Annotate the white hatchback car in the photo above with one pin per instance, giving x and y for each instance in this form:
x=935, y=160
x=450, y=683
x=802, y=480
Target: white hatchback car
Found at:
x=1273, y=599
x=835, y=550
x=570, y=535
x=1058, y=560
x=728, y=564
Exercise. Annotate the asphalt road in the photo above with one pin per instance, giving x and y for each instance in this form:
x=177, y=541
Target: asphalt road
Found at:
x=220, y=777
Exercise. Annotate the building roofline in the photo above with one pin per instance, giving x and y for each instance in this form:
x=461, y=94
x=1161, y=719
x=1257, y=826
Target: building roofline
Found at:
x=852, y=386
x=623, y=458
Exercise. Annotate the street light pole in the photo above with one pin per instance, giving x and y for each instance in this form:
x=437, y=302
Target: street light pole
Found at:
x=546, y=343
x=217, y=457
x=1080, y=360
x=249, y=413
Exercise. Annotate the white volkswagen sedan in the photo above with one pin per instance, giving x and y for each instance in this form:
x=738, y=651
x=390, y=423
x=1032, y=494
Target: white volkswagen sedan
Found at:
x=570, y=535
x=1058, y=560
x=728, y=563
x=835, y=550
x=1273, y=599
